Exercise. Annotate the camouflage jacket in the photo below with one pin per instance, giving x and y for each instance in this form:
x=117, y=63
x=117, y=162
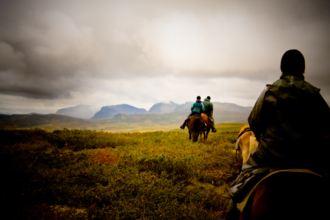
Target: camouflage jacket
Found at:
x=208, y=106
x=290, y=119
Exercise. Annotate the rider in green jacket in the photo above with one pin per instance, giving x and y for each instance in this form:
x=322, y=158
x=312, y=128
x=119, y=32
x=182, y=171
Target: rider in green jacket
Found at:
x=288, y=118
x=291, y=122
x=209, y=111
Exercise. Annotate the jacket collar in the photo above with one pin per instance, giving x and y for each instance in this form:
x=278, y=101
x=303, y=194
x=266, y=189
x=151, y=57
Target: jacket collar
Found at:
x=291, y=76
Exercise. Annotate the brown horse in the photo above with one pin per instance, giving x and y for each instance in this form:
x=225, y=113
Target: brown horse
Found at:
x=196, y=126
x=288, y=195
x=208, y=126
x=283, y=194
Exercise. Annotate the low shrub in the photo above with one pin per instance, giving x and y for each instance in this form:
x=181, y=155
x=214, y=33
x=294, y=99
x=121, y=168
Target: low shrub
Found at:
x=74, y=174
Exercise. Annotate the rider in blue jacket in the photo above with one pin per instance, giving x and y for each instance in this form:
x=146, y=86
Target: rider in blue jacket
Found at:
x=196, y=108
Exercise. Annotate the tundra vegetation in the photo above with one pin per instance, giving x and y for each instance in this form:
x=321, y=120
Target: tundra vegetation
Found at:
x=84, y=174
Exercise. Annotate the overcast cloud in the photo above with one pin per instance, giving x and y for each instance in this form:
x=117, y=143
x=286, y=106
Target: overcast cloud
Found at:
x=56, y=54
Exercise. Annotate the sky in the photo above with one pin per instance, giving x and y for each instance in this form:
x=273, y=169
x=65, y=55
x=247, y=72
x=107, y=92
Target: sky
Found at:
x=58, y=54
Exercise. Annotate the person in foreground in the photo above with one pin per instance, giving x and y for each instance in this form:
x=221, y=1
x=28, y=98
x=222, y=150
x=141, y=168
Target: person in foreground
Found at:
x=291, y=122
x=196, y=108
x=209, y=111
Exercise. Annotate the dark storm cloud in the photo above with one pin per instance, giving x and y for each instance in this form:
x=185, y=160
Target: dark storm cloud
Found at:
x=47, y=54
x=50, y=49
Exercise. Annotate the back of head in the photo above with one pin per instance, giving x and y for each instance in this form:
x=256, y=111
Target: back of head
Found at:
x=293, y=63
x=208, y=97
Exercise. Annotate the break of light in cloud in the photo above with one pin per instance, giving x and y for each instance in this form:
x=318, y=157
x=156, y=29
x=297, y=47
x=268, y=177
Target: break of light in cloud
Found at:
x=58, y=54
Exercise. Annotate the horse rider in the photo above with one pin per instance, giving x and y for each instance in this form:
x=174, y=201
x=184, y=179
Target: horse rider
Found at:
x=196, y=108
x=291, y=122
x=209, y=111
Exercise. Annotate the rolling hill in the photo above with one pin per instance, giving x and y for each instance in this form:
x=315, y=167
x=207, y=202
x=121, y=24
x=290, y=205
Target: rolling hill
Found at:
x=35, y=120
x=79, y=111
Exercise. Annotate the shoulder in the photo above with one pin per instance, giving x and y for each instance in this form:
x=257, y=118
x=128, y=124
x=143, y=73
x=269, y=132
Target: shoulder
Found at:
x=281, y=83
x=303, y=85
x=310, y=88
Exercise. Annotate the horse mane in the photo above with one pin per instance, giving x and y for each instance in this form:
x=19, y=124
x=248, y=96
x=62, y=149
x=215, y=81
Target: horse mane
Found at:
x=244, y=129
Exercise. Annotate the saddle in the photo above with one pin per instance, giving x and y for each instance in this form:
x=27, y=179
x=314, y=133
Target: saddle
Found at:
x=246, y=181
x=241, y=189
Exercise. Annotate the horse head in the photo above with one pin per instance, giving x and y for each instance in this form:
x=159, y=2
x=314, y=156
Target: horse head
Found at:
x=246, y=143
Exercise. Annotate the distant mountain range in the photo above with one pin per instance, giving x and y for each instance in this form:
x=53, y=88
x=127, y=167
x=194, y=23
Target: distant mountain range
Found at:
x=108, y=112
x=124, y=117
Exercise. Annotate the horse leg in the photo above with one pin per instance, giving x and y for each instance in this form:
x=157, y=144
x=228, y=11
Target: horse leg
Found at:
x=189, y=135
x=207, y=134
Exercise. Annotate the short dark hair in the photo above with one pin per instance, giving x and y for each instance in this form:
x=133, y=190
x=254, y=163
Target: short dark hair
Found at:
x=198, y=97
x=293, y=62
x=208, y=97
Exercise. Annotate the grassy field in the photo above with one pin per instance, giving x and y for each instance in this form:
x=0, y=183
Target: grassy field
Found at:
x=83, y=174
